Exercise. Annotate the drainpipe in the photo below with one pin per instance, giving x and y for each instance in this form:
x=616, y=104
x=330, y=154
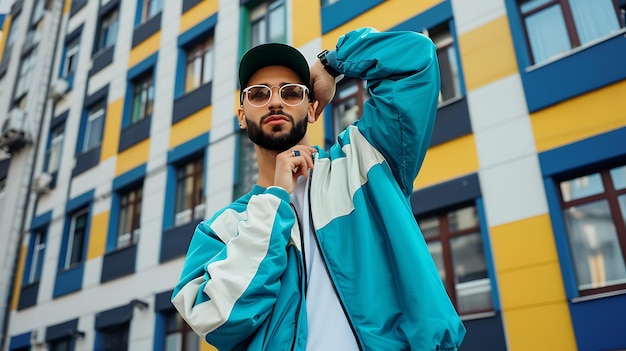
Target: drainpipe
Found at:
x=31, y=176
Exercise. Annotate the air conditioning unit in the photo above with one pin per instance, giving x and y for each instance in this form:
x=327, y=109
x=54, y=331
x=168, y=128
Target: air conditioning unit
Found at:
x=182, y=217
x=58, y=88
x=198, y=211
x=42, y=183
x=14, y=135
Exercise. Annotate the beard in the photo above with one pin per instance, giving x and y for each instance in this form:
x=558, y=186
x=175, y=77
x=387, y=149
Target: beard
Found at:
x=279, y=142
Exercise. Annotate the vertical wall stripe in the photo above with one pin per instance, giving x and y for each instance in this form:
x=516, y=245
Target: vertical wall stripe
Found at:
x=112, y=128
x=17, y=287
x=487, y=53
x=98, y=234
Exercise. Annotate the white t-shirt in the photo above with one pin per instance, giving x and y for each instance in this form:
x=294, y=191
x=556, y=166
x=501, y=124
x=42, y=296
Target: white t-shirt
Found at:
x=327, y=323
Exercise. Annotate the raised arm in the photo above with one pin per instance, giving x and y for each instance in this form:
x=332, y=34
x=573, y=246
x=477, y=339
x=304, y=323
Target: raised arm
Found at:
x=402, y=77
x=231, y=275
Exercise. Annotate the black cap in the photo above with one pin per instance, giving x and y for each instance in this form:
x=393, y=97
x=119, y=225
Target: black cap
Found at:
x=273, y=54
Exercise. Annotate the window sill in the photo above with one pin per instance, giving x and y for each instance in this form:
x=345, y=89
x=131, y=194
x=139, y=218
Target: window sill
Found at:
x=449, y=101
x=598, y=296
x=479, y=315
x=576, y=50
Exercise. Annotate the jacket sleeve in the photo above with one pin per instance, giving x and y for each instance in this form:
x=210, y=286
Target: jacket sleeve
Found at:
x=231, y=274
x=402, y=75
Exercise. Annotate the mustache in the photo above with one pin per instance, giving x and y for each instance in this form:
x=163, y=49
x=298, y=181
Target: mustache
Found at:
x=277, y=113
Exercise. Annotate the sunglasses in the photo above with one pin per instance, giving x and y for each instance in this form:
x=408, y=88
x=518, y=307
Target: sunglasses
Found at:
x=290, y=94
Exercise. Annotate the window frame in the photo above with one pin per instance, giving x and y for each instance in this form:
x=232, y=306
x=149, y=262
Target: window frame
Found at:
x=147, y=12
x=96, y=111
x=69, y=250
x=198, y=187
x=610, y=194
x=361, y=96
x=143, y=88
x=54, y=153
x=445, y=237
x=70, y=58
x=176, y=325
x=134, y=208
x=38, y=251
x=261, y=11
x=569, y=22
x=200, y=51
x=444, y=39
x=23, y=80
x=102, y=43
x=113, y=330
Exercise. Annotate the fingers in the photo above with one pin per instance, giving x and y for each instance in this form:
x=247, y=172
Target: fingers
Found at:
x=292, y=164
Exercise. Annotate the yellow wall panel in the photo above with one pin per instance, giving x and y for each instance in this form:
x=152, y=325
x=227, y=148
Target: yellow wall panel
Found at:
x=531, y=286
x=132, y=157
x=448, y=161
x=4, y=34
x=112, y=127
x=67, y=6
x=304, y=26
x=487, y=53
x=315, y=132
x=541, y=328
x=591, y=114
x=386, y=15
x=191, y=127
x=203, y=10
x=206, y=347
x=523, y=243
x=145, y=49
x=18, y=277
x=98, y=235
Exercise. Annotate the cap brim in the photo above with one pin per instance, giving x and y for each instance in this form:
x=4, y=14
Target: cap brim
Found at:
x=273, y=54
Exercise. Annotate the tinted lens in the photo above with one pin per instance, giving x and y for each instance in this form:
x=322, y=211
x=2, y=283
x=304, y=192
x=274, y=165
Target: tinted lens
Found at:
x=259, y=95
x=292, y=94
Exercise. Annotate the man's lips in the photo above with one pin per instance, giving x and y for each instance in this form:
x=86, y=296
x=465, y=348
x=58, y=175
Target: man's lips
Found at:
x=276, y=119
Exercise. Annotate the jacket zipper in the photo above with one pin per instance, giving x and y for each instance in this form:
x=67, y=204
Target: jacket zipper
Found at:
x=302, y=278
x=343, y=307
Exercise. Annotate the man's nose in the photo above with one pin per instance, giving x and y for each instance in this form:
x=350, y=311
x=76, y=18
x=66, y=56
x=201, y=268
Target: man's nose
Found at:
x=275, y=99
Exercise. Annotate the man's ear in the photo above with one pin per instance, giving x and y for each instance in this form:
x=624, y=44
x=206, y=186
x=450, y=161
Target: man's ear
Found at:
x=241, y=117
x=311, y=116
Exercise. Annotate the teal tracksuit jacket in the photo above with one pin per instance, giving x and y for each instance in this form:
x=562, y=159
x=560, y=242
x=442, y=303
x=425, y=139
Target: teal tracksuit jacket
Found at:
x=242, y=286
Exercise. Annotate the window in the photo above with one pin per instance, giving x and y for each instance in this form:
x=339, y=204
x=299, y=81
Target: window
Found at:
x=189, y=192
x=448, y=64
x=94, y=127
x=55, y=149
x=554, y=27
x=38, y=12
x=78, y=228
x=267, y=23
x=130, y=216
x=70, y=60
x=179, y=336
x=25, y=75
x=594, y=211
x=143, y=97
x=328, y=2
x=115, y=338
x=107, y=33
x=348, y=103
x=149, y=8
x=36, y=260
x=199, y=65
x=61, y=344
x=455, y=243
x=12, y=33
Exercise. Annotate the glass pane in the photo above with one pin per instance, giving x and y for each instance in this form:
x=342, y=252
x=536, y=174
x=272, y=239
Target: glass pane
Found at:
x=473, y=288
x=345, y=113
x=464, y=218
x=192, y=341
x=277, y=24
x=594, y=18
x=547, y=34
x=173, y=342
x=618, y=176
x=622, y=206
x=595, y=247
x=529, y=5
x=207, y=70
x=468, y=258
x=429, y=227
x=448, y=66
x=584, y=186
x=436, y=251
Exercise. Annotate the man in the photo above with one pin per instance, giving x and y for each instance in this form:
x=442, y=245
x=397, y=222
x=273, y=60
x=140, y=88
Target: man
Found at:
x=324, y=252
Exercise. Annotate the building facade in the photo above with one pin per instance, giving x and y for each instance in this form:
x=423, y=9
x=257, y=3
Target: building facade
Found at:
x=119, y=135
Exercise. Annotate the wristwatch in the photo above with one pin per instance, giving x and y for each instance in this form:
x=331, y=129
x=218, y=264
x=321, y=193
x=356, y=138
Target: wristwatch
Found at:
x=333, y=72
